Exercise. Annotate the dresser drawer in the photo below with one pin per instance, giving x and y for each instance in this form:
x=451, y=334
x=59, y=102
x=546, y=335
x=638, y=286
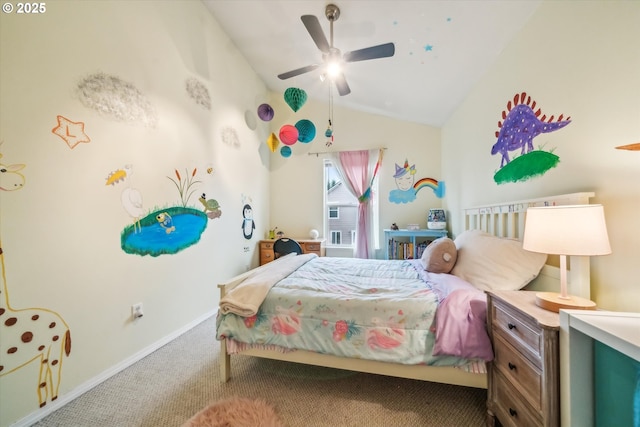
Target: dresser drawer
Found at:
x=518, y=371
x=525, y=336
x=312, y=247
x=266, y=256
x=510, y=408
x=266, y=251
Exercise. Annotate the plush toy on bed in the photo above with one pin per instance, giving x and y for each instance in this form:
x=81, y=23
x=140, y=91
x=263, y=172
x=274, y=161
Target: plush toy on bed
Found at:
x=440, y=256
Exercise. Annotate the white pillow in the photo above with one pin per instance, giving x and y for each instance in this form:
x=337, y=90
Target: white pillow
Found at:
x=494, y=263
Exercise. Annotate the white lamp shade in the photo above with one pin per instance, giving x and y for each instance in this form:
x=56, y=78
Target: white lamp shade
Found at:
x=566, y=230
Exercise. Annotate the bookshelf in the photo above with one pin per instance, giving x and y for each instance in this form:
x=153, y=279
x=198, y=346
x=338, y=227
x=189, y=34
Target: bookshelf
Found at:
x=409, y=244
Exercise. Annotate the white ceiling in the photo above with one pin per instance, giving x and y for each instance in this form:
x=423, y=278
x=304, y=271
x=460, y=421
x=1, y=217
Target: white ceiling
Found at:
x=442, y=48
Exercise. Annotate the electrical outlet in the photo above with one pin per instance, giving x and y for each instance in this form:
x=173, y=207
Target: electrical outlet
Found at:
x=136, y=311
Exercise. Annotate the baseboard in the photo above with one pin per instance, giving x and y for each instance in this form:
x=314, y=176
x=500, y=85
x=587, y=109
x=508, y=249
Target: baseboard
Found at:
x=62, y=400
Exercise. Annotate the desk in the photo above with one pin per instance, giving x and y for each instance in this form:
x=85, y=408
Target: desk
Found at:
x=410, y=235
x=309, y=246
x=580, y=333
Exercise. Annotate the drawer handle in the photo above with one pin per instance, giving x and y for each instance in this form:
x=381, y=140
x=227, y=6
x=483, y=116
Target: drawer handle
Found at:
x=511, y=326
x=511, y=366
x=513, y=412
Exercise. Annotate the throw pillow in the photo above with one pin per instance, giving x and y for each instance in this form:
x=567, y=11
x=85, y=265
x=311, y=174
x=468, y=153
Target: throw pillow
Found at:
x=440, y=256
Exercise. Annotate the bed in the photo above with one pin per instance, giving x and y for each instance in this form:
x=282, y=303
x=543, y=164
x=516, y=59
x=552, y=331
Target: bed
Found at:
x=388, y=345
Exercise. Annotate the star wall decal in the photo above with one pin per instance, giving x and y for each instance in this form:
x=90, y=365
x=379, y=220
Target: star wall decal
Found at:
x=428, y=48
x=71, y=132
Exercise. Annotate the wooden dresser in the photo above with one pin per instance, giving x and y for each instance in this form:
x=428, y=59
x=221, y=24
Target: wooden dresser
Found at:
x=309, y=246
x=524, y=380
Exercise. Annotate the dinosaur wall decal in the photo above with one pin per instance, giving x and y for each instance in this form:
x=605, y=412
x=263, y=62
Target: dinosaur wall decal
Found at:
x=521, y=122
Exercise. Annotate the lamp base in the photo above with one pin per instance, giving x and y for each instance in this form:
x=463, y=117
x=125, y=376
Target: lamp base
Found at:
x=551, y=301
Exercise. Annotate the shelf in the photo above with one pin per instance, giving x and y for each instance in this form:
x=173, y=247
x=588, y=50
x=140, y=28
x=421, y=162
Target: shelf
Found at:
x=410, y=238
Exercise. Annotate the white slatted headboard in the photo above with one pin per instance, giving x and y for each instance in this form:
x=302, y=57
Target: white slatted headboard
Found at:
x=507, y=220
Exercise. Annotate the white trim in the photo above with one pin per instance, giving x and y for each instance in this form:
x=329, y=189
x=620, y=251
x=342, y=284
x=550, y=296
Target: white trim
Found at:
x=39, y=414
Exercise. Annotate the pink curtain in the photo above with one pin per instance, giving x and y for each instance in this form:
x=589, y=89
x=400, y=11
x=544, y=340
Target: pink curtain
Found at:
x=358, y=170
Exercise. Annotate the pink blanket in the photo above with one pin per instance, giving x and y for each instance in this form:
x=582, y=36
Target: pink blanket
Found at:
x=461, y=320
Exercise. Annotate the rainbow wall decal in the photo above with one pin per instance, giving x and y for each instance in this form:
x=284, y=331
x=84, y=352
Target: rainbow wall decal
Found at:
x=437, y=186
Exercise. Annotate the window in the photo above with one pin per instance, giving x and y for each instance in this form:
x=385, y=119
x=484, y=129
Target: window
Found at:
x=340, y=209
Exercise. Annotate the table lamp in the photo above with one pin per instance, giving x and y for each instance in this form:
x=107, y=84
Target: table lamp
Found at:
x=566, y=230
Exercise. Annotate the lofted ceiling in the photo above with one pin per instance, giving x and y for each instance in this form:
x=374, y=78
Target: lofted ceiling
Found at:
x=442, y=48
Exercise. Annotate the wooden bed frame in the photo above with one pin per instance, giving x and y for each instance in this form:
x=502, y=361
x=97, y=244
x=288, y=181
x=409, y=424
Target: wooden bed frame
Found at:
x=501, y=219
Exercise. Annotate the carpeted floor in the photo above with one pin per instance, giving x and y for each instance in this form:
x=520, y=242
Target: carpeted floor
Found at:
x=169, y=386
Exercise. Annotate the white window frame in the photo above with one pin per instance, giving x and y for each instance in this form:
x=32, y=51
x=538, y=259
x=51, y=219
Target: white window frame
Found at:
x=325, y=216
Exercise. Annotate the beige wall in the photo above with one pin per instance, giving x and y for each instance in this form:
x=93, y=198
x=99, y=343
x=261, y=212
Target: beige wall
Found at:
x=61, y=232
x=297, y=181
x=580, y=59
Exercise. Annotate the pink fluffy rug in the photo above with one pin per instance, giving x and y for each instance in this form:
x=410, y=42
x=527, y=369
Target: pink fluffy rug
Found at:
x=236, y=412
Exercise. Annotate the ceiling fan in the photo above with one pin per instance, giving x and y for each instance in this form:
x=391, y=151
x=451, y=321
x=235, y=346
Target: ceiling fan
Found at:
x=331, y=56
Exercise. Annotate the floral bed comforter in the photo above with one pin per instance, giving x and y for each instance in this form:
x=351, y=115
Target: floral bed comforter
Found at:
x=356, y=308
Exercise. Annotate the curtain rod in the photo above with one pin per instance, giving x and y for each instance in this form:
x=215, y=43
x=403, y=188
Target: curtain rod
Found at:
x=317, y=153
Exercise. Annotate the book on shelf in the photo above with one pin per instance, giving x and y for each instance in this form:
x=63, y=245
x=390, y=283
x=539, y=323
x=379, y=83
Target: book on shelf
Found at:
x=406, y=250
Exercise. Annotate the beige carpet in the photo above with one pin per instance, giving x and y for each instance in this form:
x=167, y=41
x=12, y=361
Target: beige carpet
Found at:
x=176, y=382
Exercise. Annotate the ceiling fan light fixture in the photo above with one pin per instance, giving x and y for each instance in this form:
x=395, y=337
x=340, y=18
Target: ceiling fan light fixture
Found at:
x=332, y=58
x=334, y=68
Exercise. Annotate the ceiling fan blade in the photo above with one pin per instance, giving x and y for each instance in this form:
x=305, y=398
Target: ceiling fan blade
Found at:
x=315, y=30
x=341, y=84
x=373, y=52
x=297, y=72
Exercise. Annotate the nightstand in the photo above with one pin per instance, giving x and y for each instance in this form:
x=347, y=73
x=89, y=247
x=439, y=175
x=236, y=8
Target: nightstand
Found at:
x=523, y=379
x=315, y=246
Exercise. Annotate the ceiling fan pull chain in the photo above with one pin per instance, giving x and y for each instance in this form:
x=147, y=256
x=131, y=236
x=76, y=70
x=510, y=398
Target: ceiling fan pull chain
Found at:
x=331, y=32
x=329, y=131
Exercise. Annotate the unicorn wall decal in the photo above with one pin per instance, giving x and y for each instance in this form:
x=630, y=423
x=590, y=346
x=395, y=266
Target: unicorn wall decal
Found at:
x=408, y=187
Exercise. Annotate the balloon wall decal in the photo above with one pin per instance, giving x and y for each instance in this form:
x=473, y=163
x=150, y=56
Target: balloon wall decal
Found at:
x=273, y=142
x=285, y=151
x=295, y=98
x=306, y=131
x=265, y=112
x=288, y=134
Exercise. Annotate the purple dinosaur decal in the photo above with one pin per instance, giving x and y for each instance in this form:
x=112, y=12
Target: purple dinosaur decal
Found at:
x=522, y=123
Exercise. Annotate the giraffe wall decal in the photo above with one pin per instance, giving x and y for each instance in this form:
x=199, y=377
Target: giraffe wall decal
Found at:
x=33, y=334
x=10, y=178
